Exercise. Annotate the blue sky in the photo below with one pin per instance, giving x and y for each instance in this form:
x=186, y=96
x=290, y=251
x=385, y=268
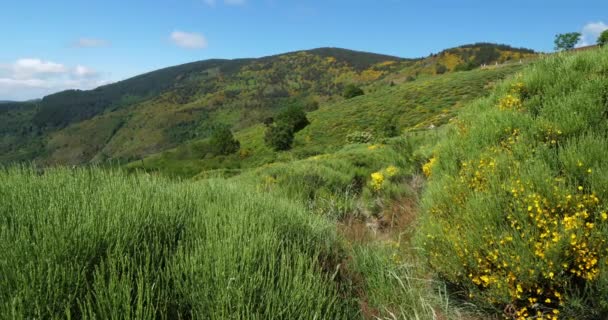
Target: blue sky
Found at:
x=49, y=46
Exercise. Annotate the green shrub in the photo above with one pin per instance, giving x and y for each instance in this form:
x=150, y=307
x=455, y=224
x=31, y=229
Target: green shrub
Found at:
x=440, y=69
x=279, y=136
x=222, y=142
x=280, y=132
x=516, y=204
x=294, y=117
x=352, y=91
x=359, y=137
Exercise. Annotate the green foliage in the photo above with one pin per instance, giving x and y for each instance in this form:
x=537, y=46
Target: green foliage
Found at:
x=279, y=136
x=352, y=91
x=566, y=41
x=602, y=40
x=293, y=117
x=222, y=142
x=280, y=132
x=515, y=208
x=338, y=185
x=95, y=244
x=359, y=137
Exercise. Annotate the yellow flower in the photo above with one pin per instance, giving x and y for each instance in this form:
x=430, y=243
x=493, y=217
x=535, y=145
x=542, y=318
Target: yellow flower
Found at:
x=427, y=168
x=377, y=180
x=391, y=171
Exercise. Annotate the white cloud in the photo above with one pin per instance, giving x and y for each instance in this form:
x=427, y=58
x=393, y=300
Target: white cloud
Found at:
x=590, y=33
x=30, y=78
x=188, y=40
x=27, y=68
x=90, y=43
x=212, y=3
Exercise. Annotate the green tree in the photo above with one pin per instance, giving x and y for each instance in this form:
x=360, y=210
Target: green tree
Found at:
x=352, y=91
x=566, y=41
x=279, y=136
x=280, y=132
x=603, y=39
x=222, y=142
x=295, y=117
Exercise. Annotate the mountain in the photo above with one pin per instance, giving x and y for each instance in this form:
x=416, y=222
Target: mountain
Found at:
x=160, y=110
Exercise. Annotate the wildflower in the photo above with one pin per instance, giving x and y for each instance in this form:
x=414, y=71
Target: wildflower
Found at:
x=377, y=180
x=428, y=167
x=391, y=171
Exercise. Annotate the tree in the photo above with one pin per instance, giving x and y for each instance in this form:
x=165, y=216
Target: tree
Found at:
x=222, y=142
x=566, y=41
x=295, y=117
x=352, y=91
x=279, y=136
x=280, y=133
x=603, y=39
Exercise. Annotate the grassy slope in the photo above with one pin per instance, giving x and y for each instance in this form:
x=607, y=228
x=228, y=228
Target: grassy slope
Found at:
x=515, y=209
x=412, y=105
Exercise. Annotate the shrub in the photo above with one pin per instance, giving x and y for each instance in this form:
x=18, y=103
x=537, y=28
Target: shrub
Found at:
x=441, y=69
x=294, y=117
x=280, y=132
x=352, y=91
x=359, y=137
x=222, y=142
x=516, y=212
x=279, y=136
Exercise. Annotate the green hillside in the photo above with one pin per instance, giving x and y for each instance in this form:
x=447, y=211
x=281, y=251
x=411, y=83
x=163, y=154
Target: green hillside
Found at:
x=470, y=194
x=163, y=109
x=410, y=106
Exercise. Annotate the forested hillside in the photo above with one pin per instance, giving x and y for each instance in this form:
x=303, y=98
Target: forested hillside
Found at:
x=163, y=109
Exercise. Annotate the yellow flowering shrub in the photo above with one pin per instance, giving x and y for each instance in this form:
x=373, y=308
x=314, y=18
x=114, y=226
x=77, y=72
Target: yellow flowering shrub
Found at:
x=377, y=181
x=427, y=168
x=391, y=171
x=516, y=215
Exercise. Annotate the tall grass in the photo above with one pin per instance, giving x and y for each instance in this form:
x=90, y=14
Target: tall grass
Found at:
x=96, y=244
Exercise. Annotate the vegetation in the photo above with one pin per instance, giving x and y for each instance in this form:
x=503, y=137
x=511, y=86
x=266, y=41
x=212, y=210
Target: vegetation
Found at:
x=455, y=196
x=92, y=244
x=602, y=40
x=222, y=142
x=514, y=212
x=279, y=136
x=280, y=132
x=567, y=41
x=352, y=91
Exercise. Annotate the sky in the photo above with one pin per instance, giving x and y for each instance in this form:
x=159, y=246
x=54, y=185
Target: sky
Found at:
x=49, y=46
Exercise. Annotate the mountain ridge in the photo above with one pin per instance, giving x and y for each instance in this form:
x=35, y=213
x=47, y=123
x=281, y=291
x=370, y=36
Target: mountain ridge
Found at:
x=161, y=109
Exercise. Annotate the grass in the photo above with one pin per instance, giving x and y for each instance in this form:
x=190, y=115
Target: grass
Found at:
x=512, y=222
x=515, y=208
x=87, y=243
